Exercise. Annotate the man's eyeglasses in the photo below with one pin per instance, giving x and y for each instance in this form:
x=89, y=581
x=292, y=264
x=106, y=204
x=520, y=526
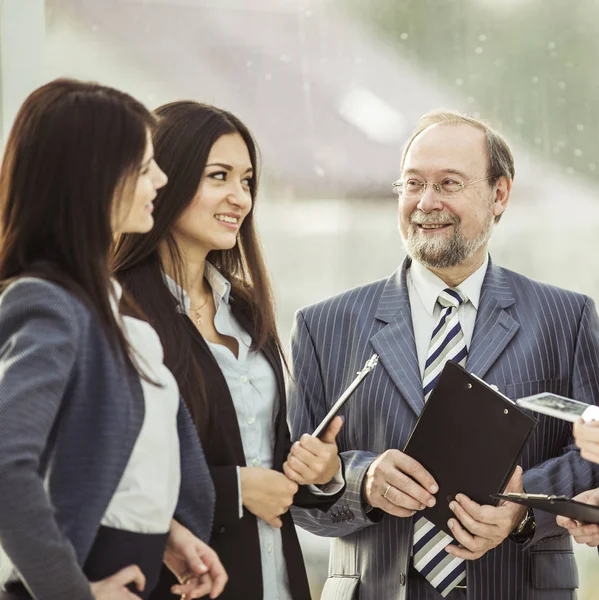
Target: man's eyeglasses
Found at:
x=448, y=188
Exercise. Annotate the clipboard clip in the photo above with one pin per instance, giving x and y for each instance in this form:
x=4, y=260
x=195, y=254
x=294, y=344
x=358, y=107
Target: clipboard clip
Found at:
x=525, y=496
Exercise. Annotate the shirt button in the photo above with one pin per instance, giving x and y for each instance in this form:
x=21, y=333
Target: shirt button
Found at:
x=249, y=420
x=243, y=379
x=402, y=579
x=255, y=462
x=269, y=548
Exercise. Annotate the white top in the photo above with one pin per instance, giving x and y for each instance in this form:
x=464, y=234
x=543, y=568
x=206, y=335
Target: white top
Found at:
x=253, y=387
x=146, y=497
x=424, y=288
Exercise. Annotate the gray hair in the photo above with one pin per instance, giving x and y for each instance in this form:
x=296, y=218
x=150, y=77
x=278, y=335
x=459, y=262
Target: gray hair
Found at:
x=501, y=159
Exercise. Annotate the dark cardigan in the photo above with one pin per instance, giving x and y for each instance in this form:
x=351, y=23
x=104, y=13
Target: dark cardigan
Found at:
x=236, y=540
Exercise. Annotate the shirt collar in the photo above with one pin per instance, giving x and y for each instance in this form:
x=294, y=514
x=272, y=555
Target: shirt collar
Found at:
x=429, y=286
x=221, y=287
x=116, y=293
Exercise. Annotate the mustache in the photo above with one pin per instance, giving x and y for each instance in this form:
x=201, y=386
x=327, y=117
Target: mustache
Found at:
x=419, y=217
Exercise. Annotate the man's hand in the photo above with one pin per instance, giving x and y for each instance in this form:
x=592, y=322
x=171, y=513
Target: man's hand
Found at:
x=398, y=484
x=114, y=587
x=479, y=528
x=583, y=533
x=266, y=493
x=586, y=436
x=312, y=460
x=194, y=563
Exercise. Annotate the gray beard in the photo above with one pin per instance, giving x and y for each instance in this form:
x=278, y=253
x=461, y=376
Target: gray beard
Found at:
x=443, y=253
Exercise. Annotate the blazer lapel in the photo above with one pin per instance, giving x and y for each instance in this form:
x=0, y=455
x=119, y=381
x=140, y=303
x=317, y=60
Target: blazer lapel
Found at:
x=395, y=342
x=494, y=328
x=280, y=424
x=217, y=384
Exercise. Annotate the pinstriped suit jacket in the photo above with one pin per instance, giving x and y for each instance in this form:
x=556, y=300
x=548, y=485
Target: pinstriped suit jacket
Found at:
x=529, y=337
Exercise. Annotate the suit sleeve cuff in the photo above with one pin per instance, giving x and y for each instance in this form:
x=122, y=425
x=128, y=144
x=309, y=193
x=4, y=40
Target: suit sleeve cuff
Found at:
x=332, y=487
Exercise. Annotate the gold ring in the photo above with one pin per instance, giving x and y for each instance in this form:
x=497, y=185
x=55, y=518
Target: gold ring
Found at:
x=387, y=491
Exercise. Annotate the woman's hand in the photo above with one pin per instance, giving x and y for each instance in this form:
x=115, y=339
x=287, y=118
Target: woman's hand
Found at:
x=194, y=563
x=583, y=533
x=586, y=436
x=115, y=586
x=266, y=493
x=313, y=460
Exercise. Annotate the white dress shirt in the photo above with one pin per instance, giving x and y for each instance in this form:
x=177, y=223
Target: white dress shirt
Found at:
x=146, y=497
x=253, y=387
x=424, y=288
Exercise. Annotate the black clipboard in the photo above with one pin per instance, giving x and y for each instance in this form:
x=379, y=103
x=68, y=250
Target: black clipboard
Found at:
x=469, y=437
x=556, y=505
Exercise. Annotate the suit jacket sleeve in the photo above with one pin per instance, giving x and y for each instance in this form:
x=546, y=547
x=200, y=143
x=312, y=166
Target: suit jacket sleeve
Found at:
x=569, y=474
x=305, y=497
x=38, y=345
x=226, y=486
x=307, y=407
x=195, y=508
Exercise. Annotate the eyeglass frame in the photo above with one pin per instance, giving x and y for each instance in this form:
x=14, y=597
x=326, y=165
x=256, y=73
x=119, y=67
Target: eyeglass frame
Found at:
x=437, y=186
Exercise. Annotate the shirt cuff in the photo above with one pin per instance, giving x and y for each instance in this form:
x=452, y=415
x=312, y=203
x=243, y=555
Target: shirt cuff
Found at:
x=240, y=498
x=331, y=488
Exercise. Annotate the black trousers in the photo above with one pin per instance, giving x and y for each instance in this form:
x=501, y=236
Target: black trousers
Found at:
x=112, y=551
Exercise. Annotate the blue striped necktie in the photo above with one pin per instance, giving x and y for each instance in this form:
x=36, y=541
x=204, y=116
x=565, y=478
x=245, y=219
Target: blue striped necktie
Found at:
x=442, y=570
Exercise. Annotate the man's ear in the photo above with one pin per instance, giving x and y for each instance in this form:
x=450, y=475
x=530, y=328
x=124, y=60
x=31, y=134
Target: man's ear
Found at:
x=503, y=189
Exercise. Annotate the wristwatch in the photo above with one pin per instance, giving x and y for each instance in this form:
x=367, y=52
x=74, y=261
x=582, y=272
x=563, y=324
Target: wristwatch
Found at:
x=527, y=526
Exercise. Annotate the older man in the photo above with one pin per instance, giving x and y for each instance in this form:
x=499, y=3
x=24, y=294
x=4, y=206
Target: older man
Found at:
x=447, y=301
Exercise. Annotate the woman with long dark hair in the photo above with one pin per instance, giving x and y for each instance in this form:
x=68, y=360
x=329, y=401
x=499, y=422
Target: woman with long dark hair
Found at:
x=90, y=461
x=200, y=278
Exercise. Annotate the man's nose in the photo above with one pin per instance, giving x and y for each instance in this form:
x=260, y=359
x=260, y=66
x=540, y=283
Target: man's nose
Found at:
x=430, y=201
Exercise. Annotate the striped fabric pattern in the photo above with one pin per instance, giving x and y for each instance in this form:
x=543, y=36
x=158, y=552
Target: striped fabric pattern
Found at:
x=442, y=570
x=529, y=338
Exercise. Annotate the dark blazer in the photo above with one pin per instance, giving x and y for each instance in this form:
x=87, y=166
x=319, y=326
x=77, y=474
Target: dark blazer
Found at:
x=236, y=540
x=528, y=338
x=70, y=413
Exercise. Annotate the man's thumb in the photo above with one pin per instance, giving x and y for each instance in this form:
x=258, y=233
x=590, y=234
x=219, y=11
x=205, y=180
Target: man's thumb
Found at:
x=332, y=430
x=515, y=482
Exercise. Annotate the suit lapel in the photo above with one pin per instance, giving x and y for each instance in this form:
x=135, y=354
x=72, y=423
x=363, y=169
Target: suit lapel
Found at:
x=494, y=328
x=217, y=384
x=395, y=343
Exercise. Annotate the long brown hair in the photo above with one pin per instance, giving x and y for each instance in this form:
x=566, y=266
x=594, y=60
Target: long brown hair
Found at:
x=183, y=138
x=71, y=151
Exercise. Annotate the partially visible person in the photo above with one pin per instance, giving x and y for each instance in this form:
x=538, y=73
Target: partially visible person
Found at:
x=583, y=533
x=586, y=436
x=90, y=473
x=201, y=279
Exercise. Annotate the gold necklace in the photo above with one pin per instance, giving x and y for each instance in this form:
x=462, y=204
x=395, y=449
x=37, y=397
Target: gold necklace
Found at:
x=197, y=315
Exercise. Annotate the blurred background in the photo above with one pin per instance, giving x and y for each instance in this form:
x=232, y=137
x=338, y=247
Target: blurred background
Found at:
x=331, y=90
